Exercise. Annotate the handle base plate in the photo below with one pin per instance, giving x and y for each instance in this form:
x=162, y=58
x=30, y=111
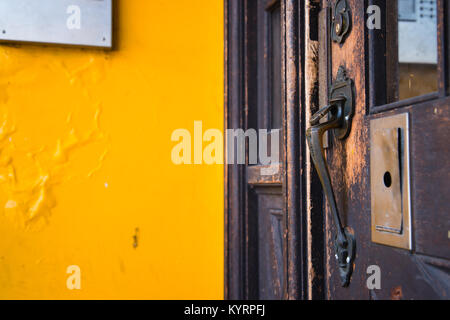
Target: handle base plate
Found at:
x=345, y=256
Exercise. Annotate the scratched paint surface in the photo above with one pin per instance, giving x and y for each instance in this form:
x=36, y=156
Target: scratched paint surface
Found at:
x=86, y=176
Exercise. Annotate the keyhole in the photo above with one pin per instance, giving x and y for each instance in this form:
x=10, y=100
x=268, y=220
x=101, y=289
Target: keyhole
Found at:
x=387, y=179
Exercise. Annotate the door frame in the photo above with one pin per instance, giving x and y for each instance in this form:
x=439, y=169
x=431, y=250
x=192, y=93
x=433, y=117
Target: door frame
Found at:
x=303, y=198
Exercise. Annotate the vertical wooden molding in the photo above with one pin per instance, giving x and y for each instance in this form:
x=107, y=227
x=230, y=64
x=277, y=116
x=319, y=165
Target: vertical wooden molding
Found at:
x=313, y=193
x=295, y=148
x=234, y=175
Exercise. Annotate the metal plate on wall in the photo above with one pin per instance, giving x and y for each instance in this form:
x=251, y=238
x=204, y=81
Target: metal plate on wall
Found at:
x=389, y=181
x=67, y=22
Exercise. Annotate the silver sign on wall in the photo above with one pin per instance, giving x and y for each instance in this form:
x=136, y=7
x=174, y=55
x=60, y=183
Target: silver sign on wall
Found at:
x=67, y=22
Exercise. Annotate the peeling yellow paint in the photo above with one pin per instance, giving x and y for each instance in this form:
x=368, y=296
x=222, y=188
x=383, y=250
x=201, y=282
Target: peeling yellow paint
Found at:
x=29, y=196
x=85, y=160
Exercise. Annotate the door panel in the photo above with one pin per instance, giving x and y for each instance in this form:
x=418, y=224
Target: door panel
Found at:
x=271, y=243
x=431, y=177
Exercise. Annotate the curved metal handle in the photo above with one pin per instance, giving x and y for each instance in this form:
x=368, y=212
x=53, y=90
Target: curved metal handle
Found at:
x=345, y=242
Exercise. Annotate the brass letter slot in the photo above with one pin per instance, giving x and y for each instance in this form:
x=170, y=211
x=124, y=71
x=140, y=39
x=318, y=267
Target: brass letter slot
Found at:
x=389, y=180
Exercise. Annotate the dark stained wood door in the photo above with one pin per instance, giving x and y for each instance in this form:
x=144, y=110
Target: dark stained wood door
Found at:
x=391, y=79
x=262, y=208
x=265, y=210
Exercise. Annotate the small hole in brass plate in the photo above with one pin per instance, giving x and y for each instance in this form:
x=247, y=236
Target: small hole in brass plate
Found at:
x=387, y=179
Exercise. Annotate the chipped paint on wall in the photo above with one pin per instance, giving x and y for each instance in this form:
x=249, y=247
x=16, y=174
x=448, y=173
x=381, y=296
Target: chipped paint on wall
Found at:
x=28, y=175
x=86, y=176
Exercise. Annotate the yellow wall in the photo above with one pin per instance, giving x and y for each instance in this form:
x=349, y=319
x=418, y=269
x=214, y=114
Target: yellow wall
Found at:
x=85, y=160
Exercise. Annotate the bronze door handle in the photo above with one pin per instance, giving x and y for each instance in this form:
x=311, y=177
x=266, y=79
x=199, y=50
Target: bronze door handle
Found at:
x=340, y=111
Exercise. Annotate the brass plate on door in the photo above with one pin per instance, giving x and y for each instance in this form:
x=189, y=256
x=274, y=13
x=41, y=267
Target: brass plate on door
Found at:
x=390, y=181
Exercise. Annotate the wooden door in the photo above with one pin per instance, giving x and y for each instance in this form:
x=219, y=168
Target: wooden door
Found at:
x=261, y=202
x=401, y=94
